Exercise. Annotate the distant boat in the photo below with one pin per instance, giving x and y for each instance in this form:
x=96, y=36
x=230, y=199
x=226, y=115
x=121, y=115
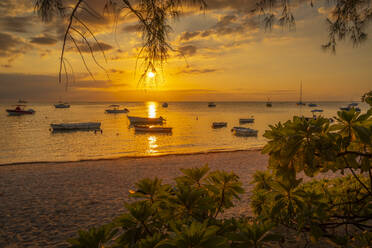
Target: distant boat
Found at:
x=300, y=103
x=312, y=105
x=165, y=105
x=76, y=126
x=211, y=104
x=20, y=110
x=219, y=124
x=152, y=129
x=144, y=120
x=22, y=101
x=115, y=110
x=317, y=110
x=351, y=106
x=246, y=120
x=62, y=105
x=269, y=103
x=243, y=131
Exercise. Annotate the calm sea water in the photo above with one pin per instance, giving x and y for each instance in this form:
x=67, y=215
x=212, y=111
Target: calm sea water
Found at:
x=29, y=139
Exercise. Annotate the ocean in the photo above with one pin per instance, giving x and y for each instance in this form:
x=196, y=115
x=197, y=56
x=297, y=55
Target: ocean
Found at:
x=28, y=138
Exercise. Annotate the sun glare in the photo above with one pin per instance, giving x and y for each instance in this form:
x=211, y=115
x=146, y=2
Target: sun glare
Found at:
x=150, y=74
x=151, y=109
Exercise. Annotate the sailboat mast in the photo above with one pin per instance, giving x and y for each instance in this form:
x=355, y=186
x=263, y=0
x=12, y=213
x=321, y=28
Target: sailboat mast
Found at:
x=300, y=91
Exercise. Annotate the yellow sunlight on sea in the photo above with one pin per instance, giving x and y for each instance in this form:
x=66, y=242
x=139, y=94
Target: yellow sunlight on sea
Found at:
x=151, y=109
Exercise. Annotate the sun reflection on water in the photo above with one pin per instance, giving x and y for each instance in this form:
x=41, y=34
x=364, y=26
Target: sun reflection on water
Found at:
x=151, y=109
x=152, y=144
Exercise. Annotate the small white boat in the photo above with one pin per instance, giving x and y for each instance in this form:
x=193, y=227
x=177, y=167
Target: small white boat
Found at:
x=152, y=129
x=20, y=110
x=144, y=120
x=62, y=105
x=211, y=104
x=219, y=124
x=165, y=105
x=76, y=126
x=317, y=110
x=246, y=120
x=243, y=131
x=115, y=110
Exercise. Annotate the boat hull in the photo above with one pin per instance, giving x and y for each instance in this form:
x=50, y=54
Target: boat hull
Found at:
x=144, y=129
x=117, y=111
x=20, y=112
x=142, y=120
x=219, y=124
x=242, y=131
x=249, y=120
x=76, y=126
x=62, y=105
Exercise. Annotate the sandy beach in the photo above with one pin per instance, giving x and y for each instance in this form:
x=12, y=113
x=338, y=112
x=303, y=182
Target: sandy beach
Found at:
x=44, y=204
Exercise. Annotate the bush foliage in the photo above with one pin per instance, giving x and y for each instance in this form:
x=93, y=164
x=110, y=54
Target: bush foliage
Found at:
x=188, y=213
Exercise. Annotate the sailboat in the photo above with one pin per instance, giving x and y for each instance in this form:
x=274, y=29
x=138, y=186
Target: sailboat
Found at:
x=269, y=103
x=300, y=103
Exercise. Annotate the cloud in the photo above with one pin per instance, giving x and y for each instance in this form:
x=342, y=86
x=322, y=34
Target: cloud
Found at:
x=188, y=50
x=102, y=46
x=197, y=71
x=43, y=40
x=11, y=47
x=19, y=24
x=131, y=28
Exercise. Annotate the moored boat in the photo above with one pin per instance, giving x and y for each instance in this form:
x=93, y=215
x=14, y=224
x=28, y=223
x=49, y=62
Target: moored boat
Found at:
x=22, y=101
x=317, y=110
x=144, y=120
x=114, y=109
x=76, y=126
x=152, y=129
x=211, y=104
x=312, y=105
x=62, y=105
x=269, y=103
x=300, y=103
x=219, y=124
x=165, y=105
x=244, y=131
x=246, y=120
x=20, y=110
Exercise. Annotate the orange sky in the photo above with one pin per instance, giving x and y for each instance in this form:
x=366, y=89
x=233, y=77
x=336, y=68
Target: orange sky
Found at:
x=229, y=57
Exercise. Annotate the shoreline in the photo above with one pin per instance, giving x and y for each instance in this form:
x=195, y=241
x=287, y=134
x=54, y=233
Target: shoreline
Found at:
x=132, y=157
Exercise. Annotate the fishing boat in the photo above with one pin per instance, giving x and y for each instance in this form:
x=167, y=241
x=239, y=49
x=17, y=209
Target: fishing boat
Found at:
x=165, y=105
x=144, y=120
x=115, y=109
x=312, y=105
x=152, y=129
x=211, y=104
x=243, y=131
x=219, y=124
x=300, y=103
x=76, y=126
x=317, y=110
x=62, y=105
x=246, y=120
x=20, y=110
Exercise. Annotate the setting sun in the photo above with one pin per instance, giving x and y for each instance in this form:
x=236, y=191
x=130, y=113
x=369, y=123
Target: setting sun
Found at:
x=150, y=74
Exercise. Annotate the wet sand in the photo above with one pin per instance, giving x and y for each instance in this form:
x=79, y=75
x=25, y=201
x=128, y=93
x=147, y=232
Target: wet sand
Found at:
x=44, y=204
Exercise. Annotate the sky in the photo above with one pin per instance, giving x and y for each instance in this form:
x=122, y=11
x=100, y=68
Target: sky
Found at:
x=228, y=56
